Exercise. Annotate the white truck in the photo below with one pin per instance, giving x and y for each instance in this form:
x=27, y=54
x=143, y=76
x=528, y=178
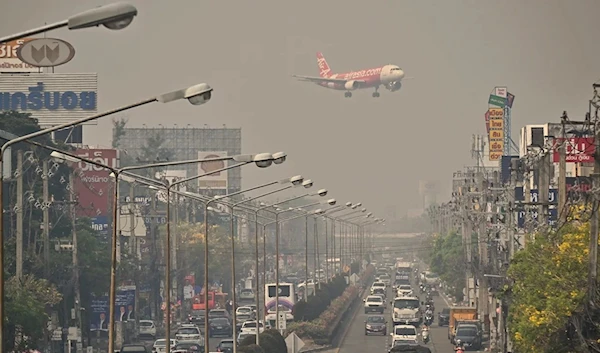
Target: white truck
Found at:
x=406, y=311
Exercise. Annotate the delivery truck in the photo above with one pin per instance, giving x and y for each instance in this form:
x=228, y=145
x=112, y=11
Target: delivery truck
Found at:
x=460, y=313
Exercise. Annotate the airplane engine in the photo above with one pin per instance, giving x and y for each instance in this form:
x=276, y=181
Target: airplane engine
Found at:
x=350, y=85
x=394, y=86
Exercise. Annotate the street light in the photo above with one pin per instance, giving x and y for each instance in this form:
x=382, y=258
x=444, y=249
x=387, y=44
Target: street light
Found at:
x=112, y=16
x=67, y=156
x=295, y=180
x=306, y=184
x=277, y=213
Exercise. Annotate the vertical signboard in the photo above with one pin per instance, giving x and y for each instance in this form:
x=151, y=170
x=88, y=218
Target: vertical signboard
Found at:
x=92, y=183
x=215, y=180
x=52, y=99
x=496, y=133
x=9, y=57
x=578, y=149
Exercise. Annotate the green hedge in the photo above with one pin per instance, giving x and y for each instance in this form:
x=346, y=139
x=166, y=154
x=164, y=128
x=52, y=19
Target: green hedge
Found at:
x=315, y=305
x=271, y=341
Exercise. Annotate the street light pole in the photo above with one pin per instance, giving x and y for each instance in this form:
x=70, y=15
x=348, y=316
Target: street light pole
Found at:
x=113, y=16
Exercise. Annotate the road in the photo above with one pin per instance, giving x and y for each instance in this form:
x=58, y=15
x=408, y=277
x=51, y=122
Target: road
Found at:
x=355, y=340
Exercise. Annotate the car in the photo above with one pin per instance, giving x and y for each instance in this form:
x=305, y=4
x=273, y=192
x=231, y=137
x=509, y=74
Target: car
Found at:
x=379, y=291
x=147, y=328
x=189, y=332
x=196, y=317
x=242, y=335
x=375, y=324
x=250, y=326
x=225, y=346
x=405, y=332
x=444, y=317
x=386, y=279
x=374, y=303
x=469, y=335
x=160, y=345
x=133, y=348
x=241, y=318
x=215, y=313
x=405, y=290
x=186, y=347
x=247, y=294
x=219, y=326
x=377, y=285
x=244, y=310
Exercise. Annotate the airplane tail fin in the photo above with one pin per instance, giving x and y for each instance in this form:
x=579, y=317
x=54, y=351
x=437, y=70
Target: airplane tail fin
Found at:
x=324, y=69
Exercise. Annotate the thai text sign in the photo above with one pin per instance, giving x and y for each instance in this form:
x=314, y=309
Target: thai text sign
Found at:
x=496, y=133
x=53, y=99
x=578, y=149
x=9, y=57
x=92, y=183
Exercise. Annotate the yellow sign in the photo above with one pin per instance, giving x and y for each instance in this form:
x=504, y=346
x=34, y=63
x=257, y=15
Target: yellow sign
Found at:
x=496, y=135
x=495, y=156
x=496, y=124
x=496, y=113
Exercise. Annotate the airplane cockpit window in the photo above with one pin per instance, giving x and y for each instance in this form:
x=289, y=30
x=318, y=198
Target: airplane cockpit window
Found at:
x=396, y=69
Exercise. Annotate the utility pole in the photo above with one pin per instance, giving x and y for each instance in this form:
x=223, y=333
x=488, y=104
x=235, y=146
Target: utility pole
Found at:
x=75, y=259
x=562, y=177
x=467, y=232
x=593, y=265
x=19, y=233
x=483, y=242
x=133, y=251
x=46, y=218
x=544, y=189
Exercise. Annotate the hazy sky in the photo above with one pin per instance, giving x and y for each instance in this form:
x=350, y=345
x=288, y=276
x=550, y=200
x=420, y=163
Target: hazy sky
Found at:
x=361, y=149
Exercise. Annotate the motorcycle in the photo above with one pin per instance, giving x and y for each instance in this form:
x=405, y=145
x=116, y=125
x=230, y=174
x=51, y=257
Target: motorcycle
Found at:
x=459, y=347
x=428, y=319
x=425, y=334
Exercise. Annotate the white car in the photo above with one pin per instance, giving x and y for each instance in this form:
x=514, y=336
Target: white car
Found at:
x=374, y=304
x=247, y=294
x=189, y=333
x=161, y=345
x=250, y=327
x=405, y=290
x=405, y=332
x=385, y=279
x=147, y=328
x=244, y=310
x=377, y=285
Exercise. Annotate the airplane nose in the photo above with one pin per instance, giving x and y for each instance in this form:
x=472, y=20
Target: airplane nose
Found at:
x=400, y=74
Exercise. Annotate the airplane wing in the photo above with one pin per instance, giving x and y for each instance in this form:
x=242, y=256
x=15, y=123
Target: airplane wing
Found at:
x=324, y=79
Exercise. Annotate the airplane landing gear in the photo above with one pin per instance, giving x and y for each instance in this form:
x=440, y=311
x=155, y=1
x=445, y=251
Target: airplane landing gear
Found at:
x=376, y=94
x=348, y=94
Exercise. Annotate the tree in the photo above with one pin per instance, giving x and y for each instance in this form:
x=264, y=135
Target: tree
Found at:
x=25, y=305
x=251, y=348
x=447, y=260
x=269, y=343
x=118, y=131
x=281, y=345
x=547, y=295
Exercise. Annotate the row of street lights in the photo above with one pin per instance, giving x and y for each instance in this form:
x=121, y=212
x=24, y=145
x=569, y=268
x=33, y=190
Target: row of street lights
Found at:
x=115, y=17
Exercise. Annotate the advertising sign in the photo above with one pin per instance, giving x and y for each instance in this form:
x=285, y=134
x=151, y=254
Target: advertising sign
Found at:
x=510, y=98
x=46, y=52
x=496, y=133
x=497, y=101
x=125, y=301
x=500, y=92
x=53, y=99
x=99, y=313
x=9, y=58
x=578, y=149
x=92, y=184
x=487, y=121
x=214, y=181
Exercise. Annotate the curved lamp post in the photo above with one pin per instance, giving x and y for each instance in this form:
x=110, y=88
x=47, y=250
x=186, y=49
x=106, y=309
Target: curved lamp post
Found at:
x=262, y=160
x=113, y=16
x=70, y=157
x=276, y=222
x=307, y=184
x=197, y=94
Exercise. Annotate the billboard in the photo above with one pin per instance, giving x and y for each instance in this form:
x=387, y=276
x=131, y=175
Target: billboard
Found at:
x=496, y=133
x=53, y=99
x=578, y=149
x=9, y=57
x=216, y=181
x=93, y=184
x=125, y=308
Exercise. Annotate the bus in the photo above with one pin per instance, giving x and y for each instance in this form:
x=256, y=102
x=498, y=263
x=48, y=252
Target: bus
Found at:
x=214, y=298
x=287, y=300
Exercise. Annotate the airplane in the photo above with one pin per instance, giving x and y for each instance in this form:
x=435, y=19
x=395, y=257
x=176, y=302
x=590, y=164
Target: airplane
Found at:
x=388, y=76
